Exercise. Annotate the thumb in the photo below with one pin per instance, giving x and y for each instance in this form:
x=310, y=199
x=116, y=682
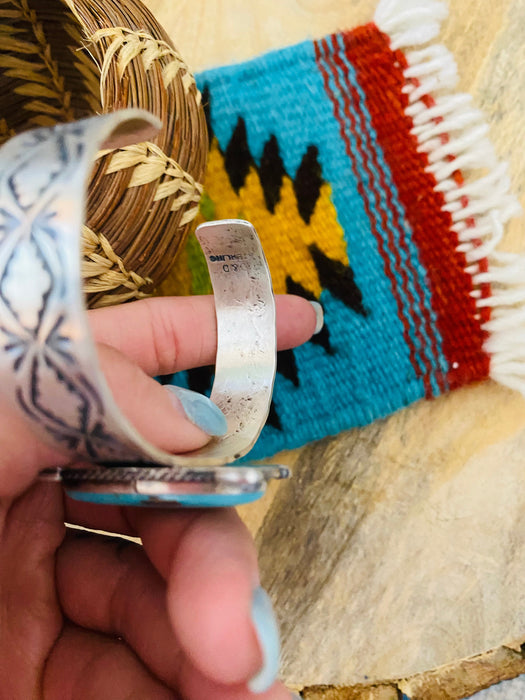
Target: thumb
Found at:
x=174, y=420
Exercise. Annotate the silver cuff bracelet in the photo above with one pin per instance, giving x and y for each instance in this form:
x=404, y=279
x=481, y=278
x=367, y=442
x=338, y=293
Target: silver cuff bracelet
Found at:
x=48, y=361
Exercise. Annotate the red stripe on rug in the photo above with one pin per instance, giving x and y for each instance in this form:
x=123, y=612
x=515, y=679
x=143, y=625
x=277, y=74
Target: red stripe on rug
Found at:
x=380, y=73
x=369, y=151
x=321, y=52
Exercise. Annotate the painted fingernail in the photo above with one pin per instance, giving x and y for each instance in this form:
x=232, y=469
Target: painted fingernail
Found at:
x=267, y=632
x=296, y=696
x=319, y=315
x=200, y=410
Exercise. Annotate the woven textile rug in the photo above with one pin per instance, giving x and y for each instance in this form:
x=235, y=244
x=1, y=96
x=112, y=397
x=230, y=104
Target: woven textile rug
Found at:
x=374, y=191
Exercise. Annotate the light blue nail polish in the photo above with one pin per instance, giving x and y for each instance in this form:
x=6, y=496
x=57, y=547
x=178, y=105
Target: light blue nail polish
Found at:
x=201, y=411
x=296, y=696
x=319, y=315
x=267, y=632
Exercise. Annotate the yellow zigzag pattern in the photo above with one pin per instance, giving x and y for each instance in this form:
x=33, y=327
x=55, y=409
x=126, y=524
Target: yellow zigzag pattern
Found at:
x=284, y=235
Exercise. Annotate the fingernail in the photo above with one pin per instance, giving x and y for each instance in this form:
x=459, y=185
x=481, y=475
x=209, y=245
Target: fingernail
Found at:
x=200, y=410
x=265, y=624
x=319, y=315
x=296, y=696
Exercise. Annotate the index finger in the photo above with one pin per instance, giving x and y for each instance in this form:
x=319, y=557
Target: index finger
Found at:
x=169, y=334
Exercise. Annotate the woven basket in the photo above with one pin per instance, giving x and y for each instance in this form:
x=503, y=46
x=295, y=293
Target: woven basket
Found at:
x=62, y=61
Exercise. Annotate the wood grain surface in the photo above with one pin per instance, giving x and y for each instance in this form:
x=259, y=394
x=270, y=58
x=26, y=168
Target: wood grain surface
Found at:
x=397, y=548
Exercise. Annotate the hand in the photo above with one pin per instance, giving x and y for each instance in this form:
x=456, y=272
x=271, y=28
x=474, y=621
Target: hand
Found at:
x=86, y=616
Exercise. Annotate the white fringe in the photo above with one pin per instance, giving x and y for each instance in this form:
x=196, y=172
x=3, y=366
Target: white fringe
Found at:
x=479, y=225
x=409, y=22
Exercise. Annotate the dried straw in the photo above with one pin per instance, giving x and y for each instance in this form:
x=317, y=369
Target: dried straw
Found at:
x=65, y=60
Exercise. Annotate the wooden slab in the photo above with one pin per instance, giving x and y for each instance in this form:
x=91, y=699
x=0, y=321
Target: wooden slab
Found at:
x=400, y=547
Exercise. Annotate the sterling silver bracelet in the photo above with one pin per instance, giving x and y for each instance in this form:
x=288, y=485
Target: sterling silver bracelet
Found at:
x=48, y=362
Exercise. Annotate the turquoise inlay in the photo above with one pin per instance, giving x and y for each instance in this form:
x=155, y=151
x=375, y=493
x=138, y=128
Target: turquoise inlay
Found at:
x=212, y=500
x=410, y=255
